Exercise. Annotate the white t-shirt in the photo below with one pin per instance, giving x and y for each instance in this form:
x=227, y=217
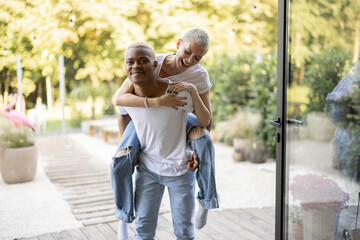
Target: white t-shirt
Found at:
x=162, y=135
x=196, y=75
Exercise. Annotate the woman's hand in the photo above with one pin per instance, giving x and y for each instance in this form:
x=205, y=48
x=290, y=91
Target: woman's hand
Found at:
x=182, y=86
x=171, y=100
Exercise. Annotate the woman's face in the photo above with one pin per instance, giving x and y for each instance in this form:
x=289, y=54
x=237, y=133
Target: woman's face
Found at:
x=189, y=53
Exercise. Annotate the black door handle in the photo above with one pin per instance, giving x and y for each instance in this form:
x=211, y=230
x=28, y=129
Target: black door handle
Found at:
x=295, y=122
x=276, y=123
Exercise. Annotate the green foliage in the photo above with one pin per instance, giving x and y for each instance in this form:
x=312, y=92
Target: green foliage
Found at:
x=263, y=90
x=339, y=18
x=94, y=47
x=345, y=114
x=56, y=125
x=348, y=156
x=245, y=80
x=15, y=137
x=86, y=90
x=244, y=124
x=296, y=215
x=76, y=118
x=229, y=75
x=323, y=73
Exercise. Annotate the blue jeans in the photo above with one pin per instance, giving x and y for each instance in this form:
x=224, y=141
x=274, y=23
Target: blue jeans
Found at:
x=149, y=191
x=122, y=169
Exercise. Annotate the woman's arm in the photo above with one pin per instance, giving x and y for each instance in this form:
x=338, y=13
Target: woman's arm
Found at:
x=205, y=97
x=124, y=97
x=202, y=110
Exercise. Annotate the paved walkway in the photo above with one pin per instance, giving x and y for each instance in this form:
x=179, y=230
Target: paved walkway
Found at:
x=78, y=165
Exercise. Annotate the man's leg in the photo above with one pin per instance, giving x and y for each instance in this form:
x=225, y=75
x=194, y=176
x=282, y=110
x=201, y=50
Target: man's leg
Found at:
x=182, y=201
x=148, y=195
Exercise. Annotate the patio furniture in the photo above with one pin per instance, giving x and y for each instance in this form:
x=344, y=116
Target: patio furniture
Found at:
x=111, y=130
x=95, y=125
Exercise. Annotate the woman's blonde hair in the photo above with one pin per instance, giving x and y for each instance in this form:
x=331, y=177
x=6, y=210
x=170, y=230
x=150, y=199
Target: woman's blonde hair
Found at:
x=199, y=36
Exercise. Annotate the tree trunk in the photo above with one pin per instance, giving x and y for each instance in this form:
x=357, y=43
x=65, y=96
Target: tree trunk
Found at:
x=48, y=93
x=6, y=89
x=1, y=99
x=356, y=41
x=94, y=81
x=92, y=109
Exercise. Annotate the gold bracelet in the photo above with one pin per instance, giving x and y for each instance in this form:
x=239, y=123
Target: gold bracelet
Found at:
x=145, y=102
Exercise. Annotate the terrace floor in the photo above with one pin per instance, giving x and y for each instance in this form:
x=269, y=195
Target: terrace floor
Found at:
x=83, y=181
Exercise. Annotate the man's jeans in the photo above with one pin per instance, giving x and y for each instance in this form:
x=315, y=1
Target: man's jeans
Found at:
x=149, y=190
x=122, y=169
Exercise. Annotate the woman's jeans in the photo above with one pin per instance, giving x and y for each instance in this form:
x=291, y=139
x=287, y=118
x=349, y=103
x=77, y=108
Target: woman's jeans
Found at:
x=122, y=169
x=149, y=190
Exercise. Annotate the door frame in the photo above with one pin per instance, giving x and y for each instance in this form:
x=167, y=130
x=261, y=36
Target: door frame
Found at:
x=282, y=76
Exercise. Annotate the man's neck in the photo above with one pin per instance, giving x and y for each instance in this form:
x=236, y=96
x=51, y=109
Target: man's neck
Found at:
x=154, y=88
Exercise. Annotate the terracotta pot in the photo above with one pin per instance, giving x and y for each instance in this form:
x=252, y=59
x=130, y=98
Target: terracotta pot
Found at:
x=258, y=153
x=18, y=165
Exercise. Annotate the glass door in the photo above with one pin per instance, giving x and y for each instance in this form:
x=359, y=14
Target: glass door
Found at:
x=318, y=135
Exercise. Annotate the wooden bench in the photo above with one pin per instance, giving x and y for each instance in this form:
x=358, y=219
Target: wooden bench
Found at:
x=100, y=124
x=111, y=130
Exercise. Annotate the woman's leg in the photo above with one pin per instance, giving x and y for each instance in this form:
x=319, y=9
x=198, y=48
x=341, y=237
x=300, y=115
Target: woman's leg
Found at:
x=200, y=141
x=122, y=168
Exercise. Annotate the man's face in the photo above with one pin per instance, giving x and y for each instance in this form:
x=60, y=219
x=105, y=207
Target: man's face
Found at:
x=189, y=53
x=139, y=65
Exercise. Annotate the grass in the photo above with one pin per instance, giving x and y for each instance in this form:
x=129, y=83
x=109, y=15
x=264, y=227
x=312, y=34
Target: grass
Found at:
x=55, y=125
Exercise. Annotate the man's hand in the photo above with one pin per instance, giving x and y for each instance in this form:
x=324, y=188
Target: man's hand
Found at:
x=193, y=164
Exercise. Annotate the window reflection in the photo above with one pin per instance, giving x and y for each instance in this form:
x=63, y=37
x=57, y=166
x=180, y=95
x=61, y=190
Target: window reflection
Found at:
x=323, y=154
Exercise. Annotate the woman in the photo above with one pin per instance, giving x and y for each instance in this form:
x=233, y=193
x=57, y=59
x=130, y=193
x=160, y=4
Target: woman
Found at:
x=186, y=74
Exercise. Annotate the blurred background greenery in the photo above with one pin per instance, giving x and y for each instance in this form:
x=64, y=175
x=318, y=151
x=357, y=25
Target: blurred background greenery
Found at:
x=241, y=61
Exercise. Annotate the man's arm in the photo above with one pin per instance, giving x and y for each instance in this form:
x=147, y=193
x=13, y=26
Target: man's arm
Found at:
x=123, y=121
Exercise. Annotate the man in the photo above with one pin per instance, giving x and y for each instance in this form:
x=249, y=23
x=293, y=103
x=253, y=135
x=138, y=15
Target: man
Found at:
x=187, y=74
x=163, y=163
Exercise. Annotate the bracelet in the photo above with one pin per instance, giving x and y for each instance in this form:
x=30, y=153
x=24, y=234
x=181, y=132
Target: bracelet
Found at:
x=145, y=102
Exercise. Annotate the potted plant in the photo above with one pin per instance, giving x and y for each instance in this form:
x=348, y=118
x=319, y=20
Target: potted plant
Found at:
x=18, y=153
x=296, y=222
x=321, y=201
x=239, y=131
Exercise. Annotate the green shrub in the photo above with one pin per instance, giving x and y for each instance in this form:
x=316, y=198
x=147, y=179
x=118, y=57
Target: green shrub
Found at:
x=323, y=72
x=263, y=89
x=12, y=136
x=245, y=80
x=244, y=124
x=229, y=75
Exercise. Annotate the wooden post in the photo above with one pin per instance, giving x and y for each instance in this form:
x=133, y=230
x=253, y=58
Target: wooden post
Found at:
x=62, y=91
x=19, y=79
